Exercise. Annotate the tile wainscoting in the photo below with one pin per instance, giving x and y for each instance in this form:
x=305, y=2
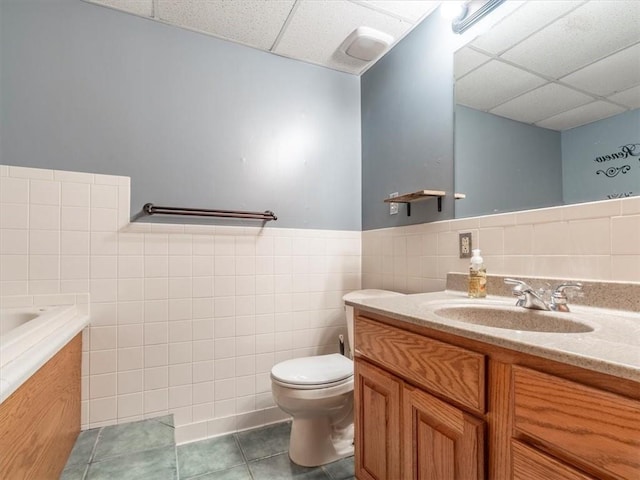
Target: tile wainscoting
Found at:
x=597, y=241
x=189, y=319
x=185, y=319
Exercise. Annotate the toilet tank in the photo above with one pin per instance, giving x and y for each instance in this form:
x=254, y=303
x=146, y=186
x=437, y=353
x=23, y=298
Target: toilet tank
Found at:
x=361, y=295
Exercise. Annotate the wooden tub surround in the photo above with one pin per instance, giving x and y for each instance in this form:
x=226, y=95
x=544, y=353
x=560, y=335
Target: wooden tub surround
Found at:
x=432, y=405
x=40, y=421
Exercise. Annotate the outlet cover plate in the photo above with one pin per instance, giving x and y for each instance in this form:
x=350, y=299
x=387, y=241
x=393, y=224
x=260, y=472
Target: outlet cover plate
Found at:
x=465, y=245
x=393, y=207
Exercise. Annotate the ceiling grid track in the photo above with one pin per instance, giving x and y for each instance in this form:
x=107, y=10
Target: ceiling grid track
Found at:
x=284, y=26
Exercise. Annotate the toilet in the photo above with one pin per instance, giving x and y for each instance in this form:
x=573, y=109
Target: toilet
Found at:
x=318, y=394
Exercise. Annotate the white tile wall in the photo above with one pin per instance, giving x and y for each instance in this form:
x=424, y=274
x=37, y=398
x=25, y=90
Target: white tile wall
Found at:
x=185, y=319
x=598, y=241
x=189, y=319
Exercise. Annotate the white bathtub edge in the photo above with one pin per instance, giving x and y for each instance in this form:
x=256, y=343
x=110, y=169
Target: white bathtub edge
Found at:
x=16, y=372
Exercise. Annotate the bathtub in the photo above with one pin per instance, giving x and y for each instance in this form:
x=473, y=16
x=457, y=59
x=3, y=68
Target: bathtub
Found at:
x=31, y=336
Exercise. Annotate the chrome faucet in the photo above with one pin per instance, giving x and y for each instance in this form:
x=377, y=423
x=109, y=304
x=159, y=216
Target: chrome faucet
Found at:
x=529, y=298
x=559, y=297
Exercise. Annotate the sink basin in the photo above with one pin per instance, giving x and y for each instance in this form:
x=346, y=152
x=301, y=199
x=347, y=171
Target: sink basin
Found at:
x=514, y=318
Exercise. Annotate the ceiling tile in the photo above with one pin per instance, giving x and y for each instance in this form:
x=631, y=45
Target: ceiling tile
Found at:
x=466, y=60
x=594, y=30
x=615, y=73
x=581, y=116
x=492, y=84
x=529, y=18
x=252, y=22
x=306, y=38
x=630, y=97
x=410, y=10
x=138, y=7
x=541, y=103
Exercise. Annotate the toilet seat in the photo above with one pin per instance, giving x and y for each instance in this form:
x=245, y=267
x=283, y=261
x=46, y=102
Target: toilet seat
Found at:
x=320, y=386
x=321, y=371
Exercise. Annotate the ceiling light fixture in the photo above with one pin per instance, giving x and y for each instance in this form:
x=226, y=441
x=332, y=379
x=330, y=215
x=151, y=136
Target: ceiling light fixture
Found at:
x=472, y=12
x=366, y=43
x=453, y=9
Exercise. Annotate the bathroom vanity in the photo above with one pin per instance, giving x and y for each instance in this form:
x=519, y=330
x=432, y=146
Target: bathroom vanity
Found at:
x=441, y=399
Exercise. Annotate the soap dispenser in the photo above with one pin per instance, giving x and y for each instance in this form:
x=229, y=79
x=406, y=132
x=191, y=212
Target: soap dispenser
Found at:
x=477, y=276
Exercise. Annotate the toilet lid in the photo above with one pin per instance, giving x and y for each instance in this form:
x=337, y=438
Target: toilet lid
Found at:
x=316, y=370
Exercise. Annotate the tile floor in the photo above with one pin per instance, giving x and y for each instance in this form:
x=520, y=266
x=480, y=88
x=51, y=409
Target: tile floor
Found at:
x=146, y=450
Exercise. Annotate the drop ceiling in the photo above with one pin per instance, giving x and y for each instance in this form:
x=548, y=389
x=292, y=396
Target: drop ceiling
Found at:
x=556, y=64
x=307, y=30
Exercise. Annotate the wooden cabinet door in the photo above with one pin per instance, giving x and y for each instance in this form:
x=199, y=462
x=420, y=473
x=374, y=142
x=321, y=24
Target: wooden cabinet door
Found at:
x=377, y=423
x=440, y=441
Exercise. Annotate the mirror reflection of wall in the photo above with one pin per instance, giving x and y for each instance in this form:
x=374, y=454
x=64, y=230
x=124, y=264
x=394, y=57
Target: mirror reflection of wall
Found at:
x=548, y=107
x=601, y=160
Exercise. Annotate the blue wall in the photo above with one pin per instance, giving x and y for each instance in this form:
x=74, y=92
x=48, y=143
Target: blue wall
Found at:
x=503, y=165
x=195, y=121
x=581, y=146
x=407, y=126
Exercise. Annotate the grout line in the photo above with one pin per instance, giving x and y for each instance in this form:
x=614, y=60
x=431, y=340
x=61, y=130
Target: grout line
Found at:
x=329, y=476
x=246, y=462
x=93, y=451
x=175, y=450
x=239, y=444
x=86, y=471
x=95, y=445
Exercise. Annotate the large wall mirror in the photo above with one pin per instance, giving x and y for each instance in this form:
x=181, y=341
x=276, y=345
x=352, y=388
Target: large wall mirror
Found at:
x=548, y=107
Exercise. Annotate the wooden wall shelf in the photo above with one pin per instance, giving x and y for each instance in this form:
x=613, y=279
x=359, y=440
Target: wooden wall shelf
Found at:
x=420, y=195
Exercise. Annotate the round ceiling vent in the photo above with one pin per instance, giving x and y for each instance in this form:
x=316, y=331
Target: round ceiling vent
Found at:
x=366, y=43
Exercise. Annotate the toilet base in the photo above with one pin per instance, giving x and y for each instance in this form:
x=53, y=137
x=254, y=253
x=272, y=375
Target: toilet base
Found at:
x=315, y=442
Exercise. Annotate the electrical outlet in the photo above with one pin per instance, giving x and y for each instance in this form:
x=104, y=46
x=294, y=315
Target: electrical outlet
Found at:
x=393, y=207
x=465, y=245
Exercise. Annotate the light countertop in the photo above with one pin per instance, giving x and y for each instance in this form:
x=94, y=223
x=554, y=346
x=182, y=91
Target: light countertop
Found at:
x=613, y=347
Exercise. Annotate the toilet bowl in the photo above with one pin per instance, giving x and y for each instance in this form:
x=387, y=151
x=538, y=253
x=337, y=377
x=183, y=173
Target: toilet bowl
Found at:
x=318, y=394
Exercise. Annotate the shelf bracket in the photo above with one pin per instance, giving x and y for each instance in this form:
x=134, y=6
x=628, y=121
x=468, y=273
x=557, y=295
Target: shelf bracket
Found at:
x=439, y=206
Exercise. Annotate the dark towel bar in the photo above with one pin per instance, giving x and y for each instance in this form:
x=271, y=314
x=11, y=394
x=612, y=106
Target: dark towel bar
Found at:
x=151, y=209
